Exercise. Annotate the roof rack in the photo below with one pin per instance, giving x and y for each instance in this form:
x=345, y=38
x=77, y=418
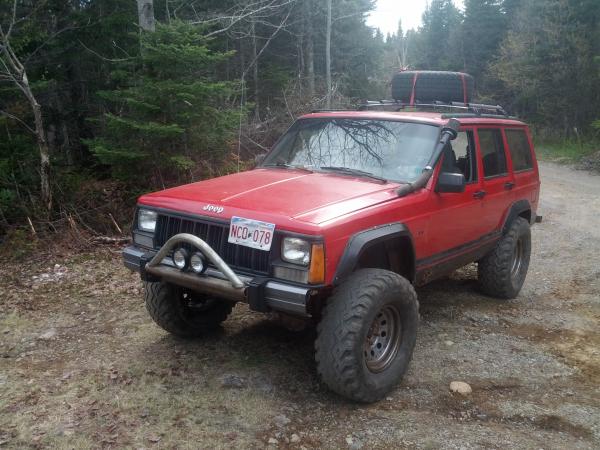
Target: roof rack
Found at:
x=326, y=110
x=473, y=109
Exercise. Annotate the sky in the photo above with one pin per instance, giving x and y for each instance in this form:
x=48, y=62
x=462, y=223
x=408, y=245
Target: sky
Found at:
x=389, y=12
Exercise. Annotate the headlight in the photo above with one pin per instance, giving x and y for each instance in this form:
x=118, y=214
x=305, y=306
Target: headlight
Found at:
x=147, y=220
x=295, y=251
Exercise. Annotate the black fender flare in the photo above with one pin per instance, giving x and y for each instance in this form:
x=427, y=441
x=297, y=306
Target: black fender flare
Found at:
x=363, y=240
x=515, y=210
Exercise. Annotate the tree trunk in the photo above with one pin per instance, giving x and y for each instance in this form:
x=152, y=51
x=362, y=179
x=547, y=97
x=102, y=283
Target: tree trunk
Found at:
x=146, y=15
x=310, y=48
x=328, y=55
x=255, y=71
x=301, y=68
x=46, y=193
x=403, y=53
x=67, y=144
x=40, y=134
x=15, y=71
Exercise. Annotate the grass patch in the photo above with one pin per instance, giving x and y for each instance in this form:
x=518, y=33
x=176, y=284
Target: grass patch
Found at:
x=568, y=150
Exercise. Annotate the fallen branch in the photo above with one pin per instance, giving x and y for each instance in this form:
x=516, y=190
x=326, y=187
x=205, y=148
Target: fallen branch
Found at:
x=108, y=240
x=31, y=226
x=115, y=223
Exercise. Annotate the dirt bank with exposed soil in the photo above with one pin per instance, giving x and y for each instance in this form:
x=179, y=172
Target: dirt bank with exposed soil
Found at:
x=82, y=365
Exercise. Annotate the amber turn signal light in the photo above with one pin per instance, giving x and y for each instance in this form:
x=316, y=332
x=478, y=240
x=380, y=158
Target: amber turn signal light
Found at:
x=316, y=272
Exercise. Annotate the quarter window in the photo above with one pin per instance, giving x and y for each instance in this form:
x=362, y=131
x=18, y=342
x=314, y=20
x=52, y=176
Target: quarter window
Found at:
x=492, y=152
x=520, y=152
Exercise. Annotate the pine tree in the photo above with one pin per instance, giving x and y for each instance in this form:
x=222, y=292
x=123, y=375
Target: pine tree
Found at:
x=484, y=28
x=168, y=114
x=436, y=46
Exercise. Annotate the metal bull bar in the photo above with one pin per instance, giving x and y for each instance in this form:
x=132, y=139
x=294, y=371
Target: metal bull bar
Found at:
x=233, y=288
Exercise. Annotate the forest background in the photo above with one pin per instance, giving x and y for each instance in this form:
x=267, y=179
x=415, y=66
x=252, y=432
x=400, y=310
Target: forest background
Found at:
x=102, y=100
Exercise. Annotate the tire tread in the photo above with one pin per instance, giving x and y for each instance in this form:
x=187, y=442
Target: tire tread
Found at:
x=494, y=269
x=161, y=303
x=341, y=323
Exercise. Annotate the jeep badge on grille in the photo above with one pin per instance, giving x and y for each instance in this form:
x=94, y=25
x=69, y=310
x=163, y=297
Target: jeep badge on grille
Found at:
x=213, y=208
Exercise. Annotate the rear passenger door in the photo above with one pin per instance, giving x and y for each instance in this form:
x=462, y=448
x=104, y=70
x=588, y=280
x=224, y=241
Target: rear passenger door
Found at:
x=523, y=165
x=497, y=182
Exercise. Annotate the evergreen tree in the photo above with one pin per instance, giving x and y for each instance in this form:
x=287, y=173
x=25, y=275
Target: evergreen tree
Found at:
x=168, y=113
x=484, y=28
x=547, y=64
x=436, y=46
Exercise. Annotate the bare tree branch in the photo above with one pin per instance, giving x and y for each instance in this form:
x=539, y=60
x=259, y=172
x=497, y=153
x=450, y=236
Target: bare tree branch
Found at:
x=281, y=25
x=336, y=19
x=14, y=70
x=251, y=10
x=12, y=22
x=47, y=41
x=12, y=116
x=103, y=57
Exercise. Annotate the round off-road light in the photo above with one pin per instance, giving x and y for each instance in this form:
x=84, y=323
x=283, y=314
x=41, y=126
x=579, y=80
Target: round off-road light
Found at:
x=180, y=258
x=198, y=262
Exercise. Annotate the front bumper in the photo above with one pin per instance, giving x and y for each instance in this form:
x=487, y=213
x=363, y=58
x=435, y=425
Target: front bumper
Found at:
x=262, y=294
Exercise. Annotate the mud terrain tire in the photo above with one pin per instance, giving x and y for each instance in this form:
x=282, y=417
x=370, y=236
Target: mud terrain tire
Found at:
x=352, y=326
x=182, y=312
x=501, y=273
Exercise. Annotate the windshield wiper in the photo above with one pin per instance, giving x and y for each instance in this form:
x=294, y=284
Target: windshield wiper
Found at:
x=356, y=172
x=288, y=166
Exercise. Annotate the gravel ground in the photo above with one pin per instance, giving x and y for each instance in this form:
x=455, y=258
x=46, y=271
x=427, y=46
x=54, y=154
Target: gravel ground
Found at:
x=82, y=365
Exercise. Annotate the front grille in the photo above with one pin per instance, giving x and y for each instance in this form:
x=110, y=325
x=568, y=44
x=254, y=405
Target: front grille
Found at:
x=214, y=234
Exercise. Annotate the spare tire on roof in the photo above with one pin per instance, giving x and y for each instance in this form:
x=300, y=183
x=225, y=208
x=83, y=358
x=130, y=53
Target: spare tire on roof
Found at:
x=426, y=86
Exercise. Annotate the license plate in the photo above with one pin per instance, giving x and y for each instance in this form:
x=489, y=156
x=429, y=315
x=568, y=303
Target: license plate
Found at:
x=251, y=233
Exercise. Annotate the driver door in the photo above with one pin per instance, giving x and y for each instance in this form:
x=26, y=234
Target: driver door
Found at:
x=457, y=217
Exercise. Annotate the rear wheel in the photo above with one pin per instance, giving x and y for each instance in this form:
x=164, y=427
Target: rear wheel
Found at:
x=502, y=272
x=367, y=334
x=183, y=312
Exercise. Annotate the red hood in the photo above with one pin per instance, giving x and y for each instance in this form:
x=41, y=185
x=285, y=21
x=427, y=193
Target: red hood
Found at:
x=272, y=194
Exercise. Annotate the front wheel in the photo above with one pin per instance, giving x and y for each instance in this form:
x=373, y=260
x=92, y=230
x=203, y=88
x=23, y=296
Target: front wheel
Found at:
x=367, y=334
x=502, y=272
x=182, y=312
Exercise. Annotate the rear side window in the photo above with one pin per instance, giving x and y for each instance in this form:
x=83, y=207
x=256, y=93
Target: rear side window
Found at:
x=518, y=145
x=492, y=152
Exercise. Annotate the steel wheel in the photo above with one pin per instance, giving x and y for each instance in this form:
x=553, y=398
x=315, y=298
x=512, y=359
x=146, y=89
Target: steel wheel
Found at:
x=383, y=339
x=517, y=260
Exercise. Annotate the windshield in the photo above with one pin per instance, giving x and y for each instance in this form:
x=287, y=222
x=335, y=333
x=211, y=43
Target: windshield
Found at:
x=396, y=151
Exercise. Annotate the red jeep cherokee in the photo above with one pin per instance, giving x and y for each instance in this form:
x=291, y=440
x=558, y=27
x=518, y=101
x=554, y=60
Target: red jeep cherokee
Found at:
x=347, y=213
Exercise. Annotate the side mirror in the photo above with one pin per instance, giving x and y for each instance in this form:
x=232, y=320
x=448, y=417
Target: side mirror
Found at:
x=450, y=183
x=258, y=159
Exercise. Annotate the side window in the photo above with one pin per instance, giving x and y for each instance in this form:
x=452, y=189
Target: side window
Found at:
x=518, y=145
x=492, y=152
x=464, y=151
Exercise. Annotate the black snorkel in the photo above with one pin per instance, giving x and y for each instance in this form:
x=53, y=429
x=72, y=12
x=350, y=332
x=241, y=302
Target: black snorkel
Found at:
x=449, y=132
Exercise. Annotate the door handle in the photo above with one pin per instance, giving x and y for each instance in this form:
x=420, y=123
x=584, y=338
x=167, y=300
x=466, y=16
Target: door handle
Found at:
x=479, y=194
x=509, y=185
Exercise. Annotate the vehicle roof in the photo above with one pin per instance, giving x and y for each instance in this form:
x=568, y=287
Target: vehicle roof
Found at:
x=433, y=118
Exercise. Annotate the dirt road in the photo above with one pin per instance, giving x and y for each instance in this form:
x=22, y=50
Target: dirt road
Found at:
x=82, y=366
